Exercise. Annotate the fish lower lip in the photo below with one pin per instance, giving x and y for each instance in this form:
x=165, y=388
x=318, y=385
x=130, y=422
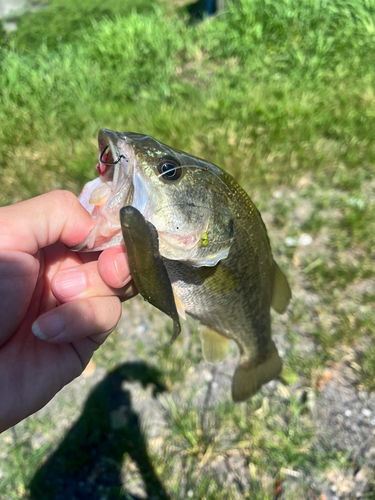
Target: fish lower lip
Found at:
x=187, y=242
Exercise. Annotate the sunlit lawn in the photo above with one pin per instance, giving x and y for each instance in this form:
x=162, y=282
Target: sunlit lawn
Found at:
x=281, y=94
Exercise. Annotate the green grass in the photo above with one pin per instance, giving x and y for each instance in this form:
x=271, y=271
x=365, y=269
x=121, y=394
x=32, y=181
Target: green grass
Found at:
x=279, y=93
x=63, y=22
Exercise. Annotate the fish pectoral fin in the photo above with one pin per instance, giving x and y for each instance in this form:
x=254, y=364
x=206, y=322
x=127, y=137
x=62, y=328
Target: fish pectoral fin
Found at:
x=281, y=291
x=249, y=376
x=217, y=280
x=214, y=345
x=179, y=305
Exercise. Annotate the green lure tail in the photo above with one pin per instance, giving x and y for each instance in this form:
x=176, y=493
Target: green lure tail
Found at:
x=146, y=264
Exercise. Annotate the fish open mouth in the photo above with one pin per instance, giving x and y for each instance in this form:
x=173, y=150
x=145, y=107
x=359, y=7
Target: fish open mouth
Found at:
x=110, y=153
x=104, y=196
x=106, y=163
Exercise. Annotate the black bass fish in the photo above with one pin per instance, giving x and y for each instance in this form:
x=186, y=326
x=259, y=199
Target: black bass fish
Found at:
x=196, y=245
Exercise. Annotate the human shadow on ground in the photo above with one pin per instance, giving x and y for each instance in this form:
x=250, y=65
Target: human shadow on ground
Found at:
x=87, y=464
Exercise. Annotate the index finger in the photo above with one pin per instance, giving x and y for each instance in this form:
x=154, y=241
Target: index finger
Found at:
x=41, y=221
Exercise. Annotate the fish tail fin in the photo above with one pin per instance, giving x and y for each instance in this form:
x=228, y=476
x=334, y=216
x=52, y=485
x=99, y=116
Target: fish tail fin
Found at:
x=250, y=376
x=281, y=291
x=214, y=345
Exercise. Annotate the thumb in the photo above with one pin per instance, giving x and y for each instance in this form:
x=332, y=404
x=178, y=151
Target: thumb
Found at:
x=41, y=221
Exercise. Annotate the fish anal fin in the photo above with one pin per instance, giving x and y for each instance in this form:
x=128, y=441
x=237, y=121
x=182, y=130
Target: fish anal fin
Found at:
x=250, y=376
x=281, y=291
x=214, y=345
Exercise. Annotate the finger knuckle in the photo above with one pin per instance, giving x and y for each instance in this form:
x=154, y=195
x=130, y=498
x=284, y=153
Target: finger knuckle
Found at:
x=65, y=196
x=116, y=309
x=103, y=312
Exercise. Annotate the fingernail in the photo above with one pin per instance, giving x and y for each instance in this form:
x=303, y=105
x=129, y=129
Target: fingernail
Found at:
x=48, y=326
x=122, y=268
x=69, y=283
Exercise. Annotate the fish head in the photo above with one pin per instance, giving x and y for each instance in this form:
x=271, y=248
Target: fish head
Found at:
x=183, y=196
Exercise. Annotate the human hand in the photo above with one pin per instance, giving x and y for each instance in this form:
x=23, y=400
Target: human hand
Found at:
x=70, y=301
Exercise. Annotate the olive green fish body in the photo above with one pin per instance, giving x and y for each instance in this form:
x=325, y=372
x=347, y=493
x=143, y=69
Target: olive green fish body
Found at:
x=234, y=297
x=211, y=247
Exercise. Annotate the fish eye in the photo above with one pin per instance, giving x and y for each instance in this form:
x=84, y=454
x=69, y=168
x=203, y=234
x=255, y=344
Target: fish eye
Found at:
x=169, y=169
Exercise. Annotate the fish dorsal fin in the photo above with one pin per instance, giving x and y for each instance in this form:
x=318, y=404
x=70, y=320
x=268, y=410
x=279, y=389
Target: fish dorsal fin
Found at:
x=281, y=291
x=214, y=345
